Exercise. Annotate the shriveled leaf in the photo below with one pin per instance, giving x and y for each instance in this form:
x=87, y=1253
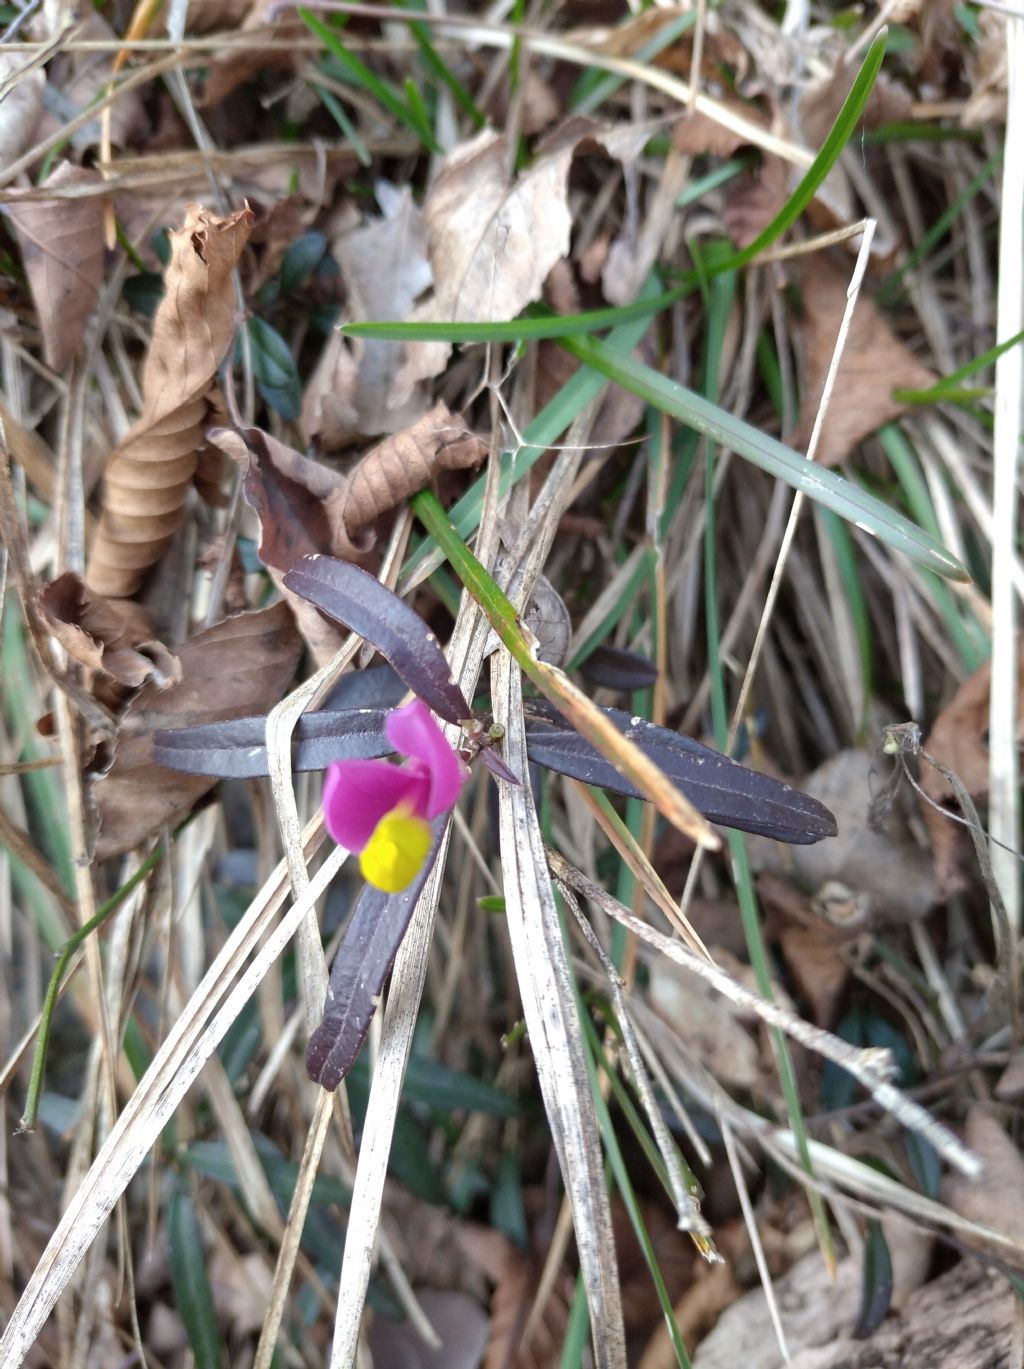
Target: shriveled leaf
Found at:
x=490, y=242
x=385, y=268
x=885, y=868
x=996, y=1199
x=874, y=363
x=20, y=106
x=240, y=666
x=237, y=749
x=61, y=243
x=398, y=468
x=148, y=476
x=101, y=636
x=723, y=790
x=365, y=956
x=614, y=667
x=287, y=491
x=388, y=623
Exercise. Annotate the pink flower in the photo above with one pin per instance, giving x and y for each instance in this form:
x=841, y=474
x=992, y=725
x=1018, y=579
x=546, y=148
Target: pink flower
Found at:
x=384, y=811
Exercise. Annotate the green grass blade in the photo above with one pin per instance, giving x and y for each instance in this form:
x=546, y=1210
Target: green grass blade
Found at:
x=361, y=75
x=948, y=387
x=191, y=1286
x=824, y=486
x=594, y=86
x=564, y=326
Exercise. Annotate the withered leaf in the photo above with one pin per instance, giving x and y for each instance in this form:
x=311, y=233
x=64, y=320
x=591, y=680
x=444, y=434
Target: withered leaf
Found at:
x=874, y=363
x=385, y=268
x=61, y=243
x=363, y=604
x=723, y=790
x=21, y=103
x=239, y=666
x=149, y=474
x=491, y=243
x=103, y=636
x=288, y=492
x=365, y=956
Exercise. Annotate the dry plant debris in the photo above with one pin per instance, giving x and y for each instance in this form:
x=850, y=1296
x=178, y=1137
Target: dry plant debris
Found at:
x=190, y=205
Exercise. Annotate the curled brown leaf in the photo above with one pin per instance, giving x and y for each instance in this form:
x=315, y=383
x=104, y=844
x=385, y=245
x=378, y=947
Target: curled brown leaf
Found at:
x=108, y=638
x=395, y=470
x=240, y=666
x=148, y=476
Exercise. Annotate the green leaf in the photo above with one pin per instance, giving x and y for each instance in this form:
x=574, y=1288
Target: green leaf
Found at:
x=191, y=1286
x=274, y=369
x=301, y=260
x=824, y=486
x=876, y=1287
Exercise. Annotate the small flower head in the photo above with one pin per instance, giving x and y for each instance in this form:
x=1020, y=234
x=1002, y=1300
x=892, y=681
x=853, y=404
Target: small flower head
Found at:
x=384, y=811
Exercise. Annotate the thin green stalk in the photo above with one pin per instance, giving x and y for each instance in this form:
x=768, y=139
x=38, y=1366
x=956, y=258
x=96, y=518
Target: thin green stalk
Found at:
x=35, y=1086
x=570, y=701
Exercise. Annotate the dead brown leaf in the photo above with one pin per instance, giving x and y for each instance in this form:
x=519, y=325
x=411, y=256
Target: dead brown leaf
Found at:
x=289, y=494
x=815, y=1308
x=756, y=200
x=996, y=1199
x=21, y=103
x=105, y=637
x=895, y=875
x=61, y=243
x=697, y=133
x=385, y=268
x=395, y=470
x=810, y=944
x=959, y=740
x=30, y=451
x=874, y=363
x=987, y=73
x=491, y=241
x=149, y=474
x=238, y=667
x=962, y=1320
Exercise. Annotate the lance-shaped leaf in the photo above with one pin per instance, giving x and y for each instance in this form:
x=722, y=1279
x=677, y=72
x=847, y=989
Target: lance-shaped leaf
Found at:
x=613, y=667
x=237, y=750
x=723, y=790
x=363, y=962
x=362, y=603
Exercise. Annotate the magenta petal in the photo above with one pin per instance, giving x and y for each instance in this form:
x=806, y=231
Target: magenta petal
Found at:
x=357, y=794
x=413, y=731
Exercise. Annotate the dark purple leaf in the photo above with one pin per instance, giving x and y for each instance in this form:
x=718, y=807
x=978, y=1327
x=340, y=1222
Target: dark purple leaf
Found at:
x=362, y=603
x=615, y=668
x=723, y=790
x=237, y=749
x=497, y=766
x=365, y=956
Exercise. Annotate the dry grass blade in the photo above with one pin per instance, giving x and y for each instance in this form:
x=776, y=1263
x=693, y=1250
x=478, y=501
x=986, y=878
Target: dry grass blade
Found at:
x=549, y=1008
x=225, y=989
x=872, y=1068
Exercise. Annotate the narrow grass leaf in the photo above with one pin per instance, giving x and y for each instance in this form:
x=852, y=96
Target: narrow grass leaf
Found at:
x=824, y=486
x=362, y=603
x=364, y=959
x=613, y=667
x=723, y=790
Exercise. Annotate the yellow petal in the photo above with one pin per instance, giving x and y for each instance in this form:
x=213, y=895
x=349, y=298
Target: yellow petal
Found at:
x=394, y=855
